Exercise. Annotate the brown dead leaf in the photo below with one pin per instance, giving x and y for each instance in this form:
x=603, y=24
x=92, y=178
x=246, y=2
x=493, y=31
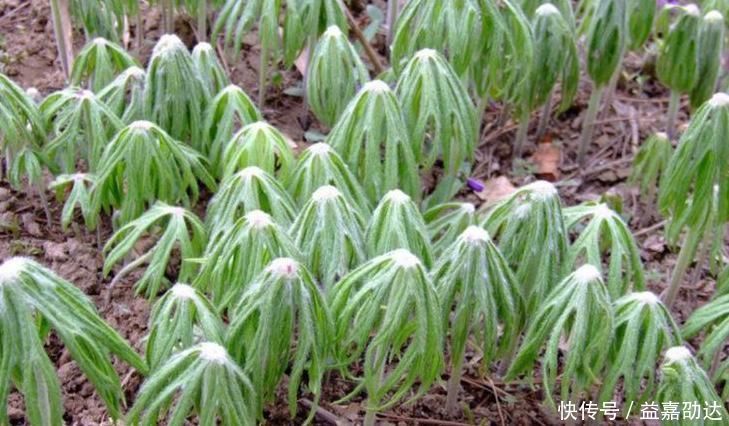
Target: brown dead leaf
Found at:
x=496, y=189
x=546, y=159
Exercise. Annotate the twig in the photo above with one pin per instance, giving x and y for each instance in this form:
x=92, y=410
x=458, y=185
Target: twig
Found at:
x=649, y=229
x=369, y=51
x=14, y=11
x=323, y=414
x=498, y=403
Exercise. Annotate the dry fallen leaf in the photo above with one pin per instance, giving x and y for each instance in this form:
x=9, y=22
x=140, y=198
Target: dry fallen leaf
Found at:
x=546, y=159
x=496, y=189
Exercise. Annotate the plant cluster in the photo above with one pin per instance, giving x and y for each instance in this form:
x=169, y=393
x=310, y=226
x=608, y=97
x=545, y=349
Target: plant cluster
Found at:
x=336, y=258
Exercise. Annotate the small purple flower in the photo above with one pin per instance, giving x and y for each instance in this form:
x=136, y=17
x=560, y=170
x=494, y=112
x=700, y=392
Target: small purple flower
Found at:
x=475, y=184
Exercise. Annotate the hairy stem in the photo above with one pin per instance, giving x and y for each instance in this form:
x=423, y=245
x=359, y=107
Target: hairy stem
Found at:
x=521, y=135
x=588, y=124
x=372, y=400
x=454, y=384
x=392, y=11
x=685, y=256
x=544, y=118
x=44, y=200
x=167, y=16
x=202, y=21
x=139, y=36
x=62, y=29
x=673, y=106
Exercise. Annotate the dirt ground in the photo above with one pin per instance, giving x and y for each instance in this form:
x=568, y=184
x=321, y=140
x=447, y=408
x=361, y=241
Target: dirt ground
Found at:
x=28, y=55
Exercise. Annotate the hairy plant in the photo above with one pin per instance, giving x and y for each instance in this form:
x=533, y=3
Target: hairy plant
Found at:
x=397, y=223
x=605, y=236
x=305, y=20
x=181, y=318
x=125, y=94
x=606, y=42
x=262, y=145
x=80, y=127
x=335, y=73
x=650, y=164
x=229, y=110
x=34, y=300
x=576, y=311
x=678, y=58
x=710, y=48
x=388, y=310
x=208, y=65
x=329, y=233
x=712, y=319
x=644, y=328
x=439, y=116
x=143, y=164
x=100, y=18
x=682, y=379
x=202, y=379
x=178, y=229
x=320, y=165
x=175, y=94
x=641, y=16
x=235, y=258
x=474, y=281
x=247, y=190
x=697, y=169
x=530, y=231
x=445, y=222
x=79, y=196
x=282, y=317
x=371, y=138
x=555, y=59
x=99, y=63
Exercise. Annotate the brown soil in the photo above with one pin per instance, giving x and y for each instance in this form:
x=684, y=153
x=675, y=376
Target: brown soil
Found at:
x=28, y=55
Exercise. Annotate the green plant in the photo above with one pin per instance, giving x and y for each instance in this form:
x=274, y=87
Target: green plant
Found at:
x=643, y=329
x=530, y=231
x=474, y=281
x=298, y=328
x=329, y=233
x=397, y=223
x=203, y=379
x=439, y=116
x=446, y=222
x=710, y=48
x=335, y=72
x=641, y=16
x=99, y=18
x=305, y=20
x=78, y=197
x=371, y=138
x=229, y=109
x=388, y=310
x=125, y=94
x=605, y=234
x=143, y=164
x=697, y=169
x=175, y=94
x=99, y=63
x=650, y=163
x=682, y=379
x=80, y=127
x=713, y=319
x=244, y=248
x=678, y=59
x=320, y=165
x=576, y=311
x=208, y=65
x=262, y=145
x=180, y=229
x=181, y=318
x=555, y=58
x=33, y=300
x=606, y=41
x=247, y=190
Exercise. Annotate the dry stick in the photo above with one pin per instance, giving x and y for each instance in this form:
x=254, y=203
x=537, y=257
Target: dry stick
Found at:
x=416, y=421
x=673, y=106
x=324, y=415
x=369, y=51
x=63, y=29
x=139, y=36
x=521, y=135
x=498, y=403
x=649, y=229
x=167, y=16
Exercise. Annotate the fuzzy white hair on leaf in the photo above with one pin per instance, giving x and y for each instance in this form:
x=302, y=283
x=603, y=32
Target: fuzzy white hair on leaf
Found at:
x=259, y=219
x=404, y=259
x=325, y=193
x=213, y=352
x=182, y=291
x=475, y=235
x=677, y=353
x=284, y=267
x=586, y=274
x=11, y=269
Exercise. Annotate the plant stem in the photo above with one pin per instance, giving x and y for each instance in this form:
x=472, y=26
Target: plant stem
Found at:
x=544, y=118
x=167, y=16
x=685, y=256
x=139, y=36
x=202, y=21
x=673, y=106
x=63, y=30
x=263, y=77
x=372, y=400
x=42, y=194
x=588, y=124
x=454, y=384
x=392, y=11
x=521, y=135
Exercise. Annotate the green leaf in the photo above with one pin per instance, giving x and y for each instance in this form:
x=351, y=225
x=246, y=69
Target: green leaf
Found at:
x=125, y=95
x=710, y=48
x=606, y=40
x=78, y=197
x=678, y=58
x=262, y=145
x=208, y=65
x=446, y=222
x=650, y=163
x=99, y=63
